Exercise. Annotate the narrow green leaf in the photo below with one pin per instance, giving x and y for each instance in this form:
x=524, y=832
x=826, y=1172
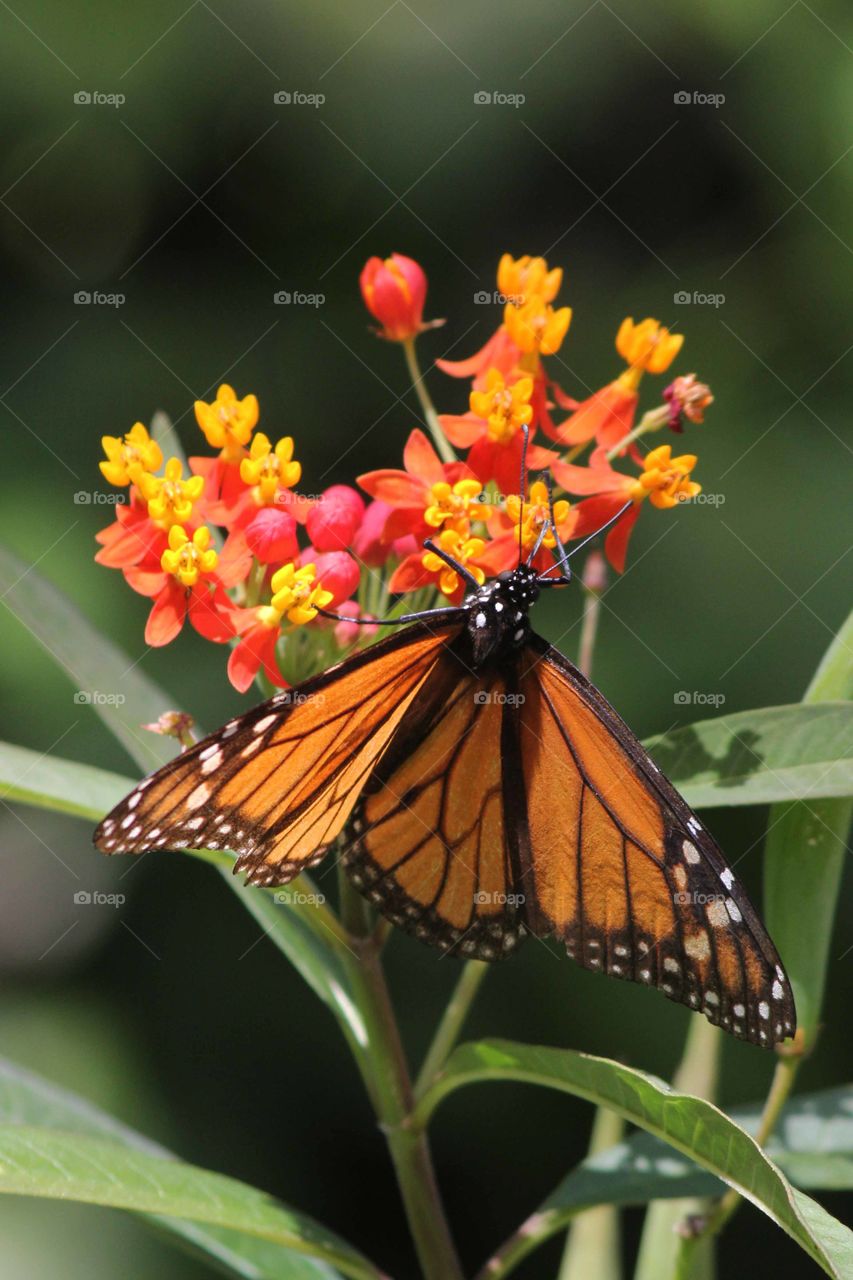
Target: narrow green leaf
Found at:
x=53, y=1164
x=305, y=932
x=804, y=859
x=758, y=757
x=46, y=782
x=28, y=1099
x=693, y=1127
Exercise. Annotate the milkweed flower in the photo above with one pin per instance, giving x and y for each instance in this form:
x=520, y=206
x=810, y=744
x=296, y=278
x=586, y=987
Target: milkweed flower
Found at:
x=296, y=596
x=521, y=278
x=535, y=327
x=394, y=292
x=227, y=422
x=422, y=485
x=267, y=470
x=664, y=480
x=187, y=586
x=130, y=456
x=520, y=526
x=608, y=415
x=170, y=498
x=492, y=431
x=425, y=568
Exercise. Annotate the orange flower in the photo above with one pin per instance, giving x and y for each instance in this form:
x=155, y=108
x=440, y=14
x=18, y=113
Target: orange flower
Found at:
x=535, y=327
x=227, y=422
x=521, y=278
x=394, y=292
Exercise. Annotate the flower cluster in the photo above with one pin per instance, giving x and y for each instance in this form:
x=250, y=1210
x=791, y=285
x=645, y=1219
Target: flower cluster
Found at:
x=229, y=542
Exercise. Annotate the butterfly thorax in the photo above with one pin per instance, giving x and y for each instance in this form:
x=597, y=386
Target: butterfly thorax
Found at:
x=498, y=613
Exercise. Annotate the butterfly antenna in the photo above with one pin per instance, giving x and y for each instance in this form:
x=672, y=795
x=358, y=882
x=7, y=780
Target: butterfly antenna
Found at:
x=522, y=490
x=561, y=550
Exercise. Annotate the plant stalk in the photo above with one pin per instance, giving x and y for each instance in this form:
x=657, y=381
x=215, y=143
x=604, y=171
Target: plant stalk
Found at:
x=451, y=1023
x=439, y=439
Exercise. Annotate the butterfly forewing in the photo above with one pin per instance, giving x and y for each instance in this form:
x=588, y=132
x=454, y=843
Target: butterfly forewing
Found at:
x=623, y=871
x=277, y=784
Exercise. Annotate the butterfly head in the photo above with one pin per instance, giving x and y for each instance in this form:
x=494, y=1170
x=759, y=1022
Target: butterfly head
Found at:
x=498, y=613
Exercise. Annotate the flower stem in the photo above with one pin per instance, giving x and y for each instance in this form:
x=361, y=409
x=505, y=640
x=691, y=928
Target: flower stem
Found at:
x=451, y=1023
x=592, y=1245
x=388, y=1082
x=594, y=581
x=439, y=439
x=652, y=420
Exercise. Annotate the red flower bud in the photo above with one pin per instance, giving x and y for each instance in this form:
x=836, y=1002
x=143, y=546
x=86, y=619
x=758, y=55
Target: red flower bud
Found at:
x=336, y=572
x=271, y=536
x=334, y=518
x=394, y=292
x=346, y=633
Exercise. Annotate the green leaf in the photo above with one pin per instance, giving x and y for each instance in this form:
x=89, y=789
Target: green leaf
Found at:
x=41, y=780
x=758, y=757
x=308, y=934
x=53, y=1164
x=693, y=1127
x=813, y=1145
x=28, y=1099
x=804, y=859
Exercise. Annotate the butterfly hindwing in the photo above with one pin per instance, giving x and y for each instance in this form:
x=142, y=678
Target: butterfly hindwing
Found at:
x=624, y=872
x=277, y=784
x=428, y=841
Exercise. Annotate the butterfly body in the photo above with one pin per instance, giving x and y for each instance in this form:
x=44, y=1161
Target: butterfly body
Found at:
x=479, y=789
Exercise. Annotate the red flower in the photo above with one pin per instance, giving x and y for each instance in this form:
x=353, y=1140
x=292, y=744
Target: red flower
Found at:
x=271, y=536
x=416, y=490
x=190, y=584
x=394, y=293
x=336, y=572
x=369, y=543
x=256, y=649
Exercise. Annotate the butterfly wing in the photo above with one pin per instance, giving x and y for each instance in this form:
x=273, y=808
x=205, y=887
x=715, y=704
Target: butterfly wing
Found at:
x=277, y=784
x=429, y=837
x=617, y=865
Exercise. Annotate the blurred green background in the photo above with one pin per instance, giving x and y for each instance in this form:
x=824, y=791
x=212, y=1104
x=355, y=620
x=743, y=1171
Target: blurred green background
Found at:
x=197, y=199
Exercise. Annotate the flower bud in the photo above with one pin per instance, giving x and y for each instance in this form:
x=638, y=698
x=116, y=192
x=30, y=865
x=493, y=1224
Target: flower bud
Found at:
x=394, y=293
x=332, y=521
x=271, y=536
x=347, y=633
x=336, y=571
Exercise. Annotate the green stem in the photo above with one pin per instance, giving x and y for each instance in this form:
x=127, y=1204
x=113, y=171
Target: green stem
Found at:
x=594, y=577
x=592, y=1245
x=388, y=1082
x=664, y=1252
x=439, y=439
x=450, y=1026
x=653, y=420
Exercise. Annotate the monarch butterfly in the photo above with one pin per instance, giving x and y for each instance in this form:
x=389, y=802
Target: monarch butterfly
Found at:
x=481, y=789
